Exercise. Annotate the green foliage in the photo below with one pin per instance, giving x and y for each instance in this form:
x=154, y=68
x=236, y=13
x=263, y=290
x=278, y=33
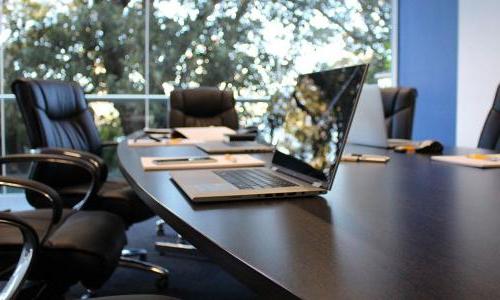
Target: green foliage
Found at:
x=100, y=43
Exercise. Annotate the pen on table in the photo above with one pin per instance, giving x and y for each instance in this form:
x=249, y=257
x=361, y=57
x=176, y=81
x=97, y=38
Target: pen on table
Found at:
x=356, y=157
x=184, y=159
x=153, y=138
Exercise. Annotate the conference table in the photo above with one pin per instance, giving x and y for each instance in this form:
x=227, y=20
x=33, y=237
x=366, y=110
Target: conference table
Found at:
x=411, y=228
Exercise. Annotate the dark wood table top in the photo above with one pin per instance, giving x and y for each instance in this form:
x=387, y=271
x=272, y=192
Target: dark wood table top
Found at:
x=410, y=228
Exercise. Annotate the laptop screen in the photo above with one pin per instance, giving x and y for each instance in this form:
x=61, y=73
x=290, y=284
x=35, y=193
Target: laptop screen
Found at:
x=317, y=121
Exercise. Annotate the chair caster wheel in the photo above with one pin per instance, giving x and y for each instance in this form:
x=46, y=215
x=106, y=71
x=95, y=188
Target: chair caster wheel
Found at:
x=162, y=283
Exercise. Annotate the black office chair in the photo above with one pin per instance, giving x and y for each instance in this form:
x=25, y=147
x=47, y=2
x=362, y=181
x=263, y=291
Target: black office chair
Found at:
x=399, y=109
x=73, y=246
x=198, y=107
x=204, y=106
x=490, y=136
x=56, y=115
x=58, y=121
x=58, y=247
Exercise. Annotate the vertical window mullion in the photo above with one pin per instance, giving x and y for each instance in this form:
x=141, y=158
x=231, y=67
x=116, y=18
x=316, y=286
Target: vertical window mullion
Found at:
x=2, y=92
x=146, y=62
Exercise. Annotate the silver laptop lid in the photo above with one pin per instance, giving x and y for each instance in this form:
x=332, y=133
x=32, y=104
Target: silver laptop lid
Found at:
x=368, y=126
x=317, y=122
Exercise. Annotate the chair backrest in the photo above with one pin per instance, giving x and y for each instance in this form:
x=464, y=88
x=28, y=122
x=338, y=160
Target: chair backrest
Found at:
x=490, y=136
x=56, y=114
x=399, y=108
x=203, y=106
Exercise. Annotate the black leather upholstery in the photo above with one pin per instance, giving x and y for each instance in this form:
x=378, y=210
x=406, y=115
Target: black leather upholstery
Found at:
x=84, y=246
x=114, y=196
x=490, y=136
x=56, y=114
x=399, y=109
x=203, y=106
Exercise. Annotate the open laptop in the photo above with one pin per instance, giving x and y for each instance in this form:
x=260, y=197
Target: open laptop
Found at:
x=309, y=146
x=368, y=127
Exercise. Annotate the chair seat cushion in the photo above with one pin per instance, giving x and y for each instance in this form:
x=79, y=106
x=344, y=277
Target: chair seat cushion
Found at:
x=84, y=245
x=116, y=197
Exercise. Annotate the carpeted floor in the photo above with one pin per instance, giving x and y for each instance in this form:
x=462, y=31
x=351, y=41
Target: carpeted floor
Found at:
x=190, y=277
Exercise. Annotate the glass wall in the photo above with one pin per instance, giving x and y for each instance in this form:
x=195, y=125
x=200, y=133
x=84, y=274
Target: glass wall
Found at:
x=129, y=54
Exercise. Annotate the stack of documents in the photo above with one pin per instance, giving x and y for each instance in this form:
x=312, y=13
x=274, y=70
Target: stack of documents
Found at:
x=471, y=160
x=200, y=162
x=211, y=133
x=191, y=136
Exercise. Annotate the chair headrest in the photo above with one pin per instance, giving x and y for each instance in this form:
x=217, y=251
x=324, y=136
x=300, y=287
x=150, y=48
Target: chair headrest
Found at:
x=58, y=99
x=202, y=102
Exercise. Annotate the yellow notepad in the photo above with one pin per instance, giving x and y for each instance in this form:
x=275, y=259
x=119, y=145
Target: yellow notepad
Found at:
x=219, y=161
x=472, y=160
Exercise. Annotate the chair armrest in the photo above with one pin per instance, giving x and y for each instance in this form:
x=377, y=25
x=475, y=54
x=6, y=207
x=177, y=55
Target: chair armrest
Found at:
x=109, y=144
x=90, y=157
x=87, y=166
x=30, y=246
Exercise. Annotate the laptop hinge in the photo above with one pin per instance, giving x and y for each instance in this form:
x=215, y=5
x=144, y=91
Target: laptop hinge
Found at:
x=288, y=172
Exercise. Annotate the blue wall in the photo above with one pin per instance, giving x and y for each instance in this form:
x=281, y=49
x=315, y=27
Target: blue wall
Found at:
x=428, y=32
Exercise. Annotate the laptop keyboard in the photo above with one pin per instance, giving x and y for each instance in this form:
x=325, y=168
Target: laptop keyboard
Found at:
x=253, y=179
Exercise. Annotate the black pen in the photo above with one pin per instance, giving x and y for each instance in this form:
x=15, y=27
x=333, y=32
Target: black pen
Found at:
x=153, y=138
x=183, y=159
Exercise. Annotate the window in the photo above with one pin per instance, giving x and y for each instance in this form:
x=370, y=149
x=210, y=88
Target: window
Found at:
x=129, y=54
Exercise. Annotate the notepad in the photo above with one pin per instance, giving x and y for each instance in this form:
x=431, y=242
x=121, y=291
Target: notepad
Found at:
x=211, y=133
x=469, y=162
x=146, y=142
x=221, y=161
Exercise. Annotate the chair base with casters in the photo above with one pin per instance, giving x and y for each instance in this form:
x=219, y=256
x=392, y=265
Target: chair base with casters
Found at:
x=177, y=244
x=163, y=274
x=140, y=253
